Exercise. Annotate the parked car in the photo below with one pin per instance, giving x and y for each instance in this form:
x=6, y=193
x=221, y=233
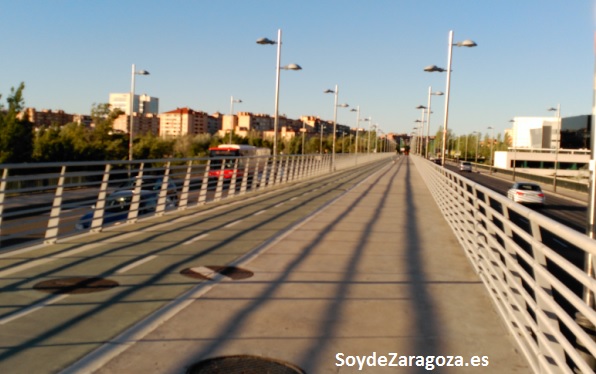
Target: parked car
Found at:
x=465, y=166
x=526, y=193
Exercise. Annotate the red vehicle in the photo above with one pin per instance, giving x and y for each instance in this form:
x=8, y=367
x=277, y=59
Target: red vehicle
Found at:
x=231, y=156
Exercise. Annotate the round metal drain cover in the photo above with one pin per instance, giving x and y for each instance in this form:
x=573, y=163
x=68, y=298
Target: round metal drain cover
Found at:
x=243, y=364
x=75, y=285
x=209, y=272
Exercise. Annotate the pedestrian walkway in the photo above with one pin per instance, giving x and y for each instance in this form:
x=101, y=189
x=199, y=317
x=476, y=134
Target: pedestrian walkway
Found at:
x=377, y=273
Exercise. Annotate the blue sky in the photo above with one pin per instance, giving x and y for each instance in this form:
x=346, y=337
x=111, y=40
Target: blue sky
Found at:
x=531, y=55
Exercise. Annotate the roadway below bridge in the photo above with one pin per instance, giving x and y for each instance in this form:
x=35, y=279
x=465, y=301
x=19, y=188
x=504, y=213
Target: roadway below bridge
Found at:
x=565, y=206
x=314, y=276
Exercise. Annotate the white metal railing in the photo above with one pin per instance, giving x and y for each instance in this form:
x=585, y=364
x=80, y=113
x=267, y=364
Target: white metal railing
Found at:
x=531, y=266
x=45, y=201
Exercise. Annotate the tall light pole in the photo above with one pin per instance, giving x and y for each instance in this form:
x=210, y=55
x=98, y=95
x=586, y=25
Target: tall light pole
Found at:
x=278, y=67
x=335, y=105
x=232, y=101
x=433, y=68
x=422, y=108
x=357, y=110
x=557, y=144
x=131, y=107
x=477, y=142
x=492, y=141
x=513, y=143
x=369, y=119
x=430, y=93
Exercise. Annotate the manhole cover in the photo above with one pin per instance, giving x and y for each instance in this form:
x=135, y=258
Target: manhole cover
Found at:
x=75, y=285
x=209, y=272
x=243, y=364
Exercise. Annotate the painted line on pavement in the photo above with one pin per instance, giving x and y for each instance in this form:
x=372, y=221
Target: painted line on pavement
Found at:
x=136, y=263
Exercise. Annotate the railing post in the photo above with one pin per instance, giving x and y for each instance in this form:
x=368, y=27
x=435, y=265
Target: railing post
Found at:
x=541, y=283
x=185, y=187
x=163, y=200
x=133, y=210
x=232, y=186
x=3, y=194
x=220, y=180
x=54, y=221
x=245, y=171
x=204, y=184
x=98, y=212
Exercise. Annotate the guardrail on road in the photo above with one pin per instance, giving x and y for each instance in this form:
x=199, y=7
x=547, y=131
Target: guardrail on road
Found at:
x=531, y=266
x=45, y=201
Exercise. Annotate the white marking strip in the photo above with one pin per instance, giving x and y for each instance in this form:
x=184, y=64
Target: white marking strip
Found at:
x=196, y=238
x=205, y=271
x=135, y=264
x=26, y=266
x=233, y=223
x=260, y=212
x=278, y=205
x=294, y=198
x=31, y=309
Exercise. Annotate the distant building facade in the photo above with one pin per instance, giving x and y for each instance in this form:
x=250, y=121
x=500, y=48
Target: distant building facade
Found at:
x=141, y=124
x=183, y=121
x=46, y=117
x=143, y=104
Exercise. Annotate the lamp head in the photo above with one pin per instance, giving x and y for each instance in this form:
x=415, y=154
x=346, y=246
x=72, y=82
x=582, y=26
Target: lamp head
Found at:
x=265, y=41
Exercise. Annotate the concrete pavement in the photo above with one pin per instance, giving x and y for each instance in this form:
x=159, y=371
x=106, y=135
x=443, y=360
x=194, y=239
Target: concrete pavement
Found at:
x=375, y=276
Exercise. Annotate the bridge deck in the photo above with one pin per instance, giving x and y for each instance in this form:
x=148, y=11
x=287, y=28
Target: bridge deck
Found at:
x=378, y=270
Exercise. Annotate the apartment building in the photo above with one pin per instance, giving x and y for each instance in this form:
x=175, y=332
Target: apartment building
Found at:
x=183, y=121
x=46, y=117
x=141, y=124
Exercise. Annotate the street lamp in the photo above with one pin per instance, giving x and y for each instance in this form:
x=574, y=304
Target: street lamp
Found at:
x=232, y=101
x=430, y=93
x=477, y=142
x=131, y=107
x=422, y=107
x=558, y=143
x=492, y=142
x=357, y=110
x=265, y=41
x=335, y=105
x=433, y=68
x=513, y=143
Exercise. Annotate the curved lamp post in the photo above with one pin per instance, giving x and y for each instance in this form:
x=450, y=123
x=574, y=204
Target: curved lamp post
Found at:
x=430, y=93
x=232, y=101
x=558, y=143
x=277, y=70
x=423, y=108
x=434, y=68
x=492, y=142
x=335, y=105
x=131, y=107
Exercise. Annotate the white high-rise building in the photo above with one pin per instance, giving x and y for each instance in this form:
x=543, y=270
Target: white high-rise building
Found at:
x=143, y=104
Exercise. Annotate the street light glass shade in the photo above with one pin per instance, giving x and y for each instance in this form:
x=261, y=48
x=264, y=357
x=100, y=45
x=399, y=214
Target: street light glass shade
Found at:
x=466, y=43
x=292, y=67
x=265, y=41
x=433, y=68
x=328, y=91
x=344, y=105
x=420, y=107
x=142, y=72
x=438, y=93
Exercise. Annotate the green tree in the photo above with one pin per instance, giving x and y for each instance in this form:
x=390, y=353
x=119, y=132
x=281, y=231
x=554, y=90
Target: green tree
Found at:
x=16, y=135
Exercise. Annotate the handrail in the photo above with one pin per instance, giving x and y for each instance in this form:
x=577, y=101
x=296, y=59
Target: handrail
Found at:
x=532, y=268
x=43, y=202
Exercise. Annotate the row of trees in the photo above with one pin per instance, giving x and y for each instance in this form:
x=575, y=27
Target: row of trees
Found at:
x=469, y=147
x=21, y=142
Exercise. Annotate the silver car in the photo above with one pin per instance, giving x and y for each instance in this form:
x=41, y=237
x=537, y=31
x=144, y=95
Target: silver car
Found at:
x=526, y=193
x=465, y=166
